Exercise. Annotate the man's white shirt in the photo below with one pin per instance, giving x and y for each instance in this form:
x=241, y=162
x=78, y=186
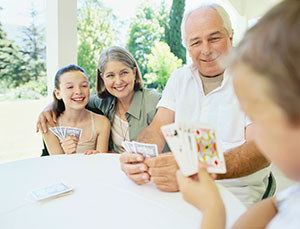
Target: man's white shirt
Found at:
x=220, y=108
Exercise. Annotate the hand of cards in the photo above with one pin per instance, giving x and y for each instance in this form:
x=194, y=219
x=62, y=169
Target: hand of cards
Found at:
x=64, y=131
x=147, y=150
x=193, y=142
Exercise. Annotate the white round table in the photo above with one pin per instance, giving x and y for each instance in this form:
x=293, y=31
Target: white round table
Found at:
x=103, y=197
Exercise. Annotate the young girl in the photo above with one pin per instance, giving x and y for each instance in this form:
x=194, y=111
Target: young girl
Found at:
x=266, y=76
x=71, y=95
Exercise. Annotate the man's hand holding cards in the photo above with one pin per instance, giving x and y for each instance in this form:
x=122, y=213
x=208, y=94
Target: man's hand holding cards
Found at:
x=147, y=150
x=194, y=142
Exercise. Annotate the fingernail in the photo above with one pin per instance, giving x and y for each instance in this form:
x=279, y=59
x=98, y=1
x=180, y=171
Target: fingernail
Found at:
x=143, y=168
x=145, y=177
x=139, y=158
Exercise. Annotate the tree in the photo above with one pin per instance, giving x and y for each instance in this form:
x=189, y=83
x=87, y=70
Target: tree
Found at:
x=173, y=30
x=13, y=70
x=146, y=28
x=94, y=34
x=34, y=48
x=161, y=62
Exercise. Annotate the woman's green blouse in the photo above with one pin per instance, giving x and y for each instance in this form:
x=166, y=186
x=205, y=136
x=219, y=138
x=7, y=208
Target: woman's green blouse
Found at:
x=139, y=115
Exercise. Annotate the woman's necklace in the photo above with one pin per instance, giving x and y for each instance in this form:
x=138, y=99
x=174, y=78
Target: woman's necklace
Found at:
x=124, y=132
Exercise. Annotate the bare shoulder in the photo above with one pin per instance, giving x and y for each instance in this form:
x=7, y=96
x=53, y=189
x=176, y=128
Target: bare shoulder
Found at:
x=101, y=122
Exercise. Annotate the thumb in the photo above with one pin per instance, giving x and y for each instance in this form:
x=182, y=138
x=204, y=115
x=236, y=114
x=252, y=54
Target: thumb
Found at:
x=202, y=171
x=180, y=178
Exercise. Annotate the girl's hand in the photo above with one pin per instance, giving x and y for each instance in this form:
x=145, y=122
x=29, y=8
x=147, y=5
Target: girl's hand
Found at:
x=89, y=152
x=69, y=144
x=202, y=192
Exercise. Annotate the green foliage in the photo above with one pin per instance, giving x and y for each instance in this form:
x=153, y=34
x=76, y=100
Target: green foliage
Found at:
x=34, y=48
x=13, y=70
x=22, y=69
x=173, y=30
x=31, y=90
x=161, y=62
x=146, y=28
x=94, y=35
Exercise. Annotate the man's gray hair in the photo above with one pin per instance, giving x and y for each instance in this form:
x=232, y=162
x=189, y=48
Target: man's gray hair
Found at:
x=221, y=11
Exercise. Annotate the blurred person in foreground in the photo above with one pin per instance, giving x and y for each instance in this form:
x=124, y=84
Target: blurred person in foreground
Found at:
x=266, y=76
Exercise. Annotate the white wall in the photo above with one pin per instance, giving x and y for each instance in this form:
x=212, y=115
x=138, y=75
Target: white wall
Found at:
x=61, y=37
x=249, y=11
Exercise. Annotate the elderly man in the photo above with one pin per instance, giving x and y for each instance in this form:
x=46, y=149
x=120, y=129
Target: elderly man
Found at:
x=203, y=92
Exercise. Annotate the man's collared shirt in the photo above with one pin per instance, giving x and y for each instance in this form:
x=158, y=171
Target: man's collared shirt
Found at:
x=220, y=108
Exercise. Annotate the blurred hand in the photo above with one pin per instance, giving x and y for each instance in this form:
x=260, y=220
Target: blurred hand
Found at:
x=133, y=166
x=69, y=144
x=203, y=193
x=44, y=118
x=113, y=152
x=162, y=170
x=89, y=152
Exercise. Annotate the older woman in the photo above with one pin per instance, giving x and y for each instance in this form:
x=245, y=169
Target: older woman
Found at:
x=121, y=97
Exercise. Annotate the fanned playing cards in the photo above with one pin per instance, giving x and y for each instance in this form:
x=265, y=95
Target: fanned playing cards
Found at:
x=147, y=150
x=64, y=131
x=193, y=142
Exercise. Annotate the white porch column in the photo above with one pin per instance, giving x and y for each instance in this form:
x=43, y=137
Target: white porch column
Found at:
x=61, y=37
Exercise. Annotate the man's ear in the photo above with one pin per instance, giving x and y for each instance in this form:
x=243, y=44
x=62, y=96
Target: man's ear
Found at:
x=57, y=93
x=231, y=38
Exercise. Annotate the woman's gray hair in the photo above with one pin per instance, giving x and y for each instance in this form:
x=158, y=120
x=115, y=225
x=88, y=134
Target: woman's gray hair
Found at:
x=221, y=11
x=116, y=53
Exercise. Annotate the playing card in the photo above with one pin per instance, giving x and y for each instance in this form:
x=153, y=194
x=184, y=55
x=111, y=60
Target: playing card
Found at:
x=50, y=191
x=175, y=142
x=190, y=153
x=71, y=131
x=170, y=132
x=184, y=133
x=131, y=147
x=193, y=142
x=60, y=132
x=55, y=131
x=125, y=146
x=147, y=150
x=208, y=150
x=63, y=131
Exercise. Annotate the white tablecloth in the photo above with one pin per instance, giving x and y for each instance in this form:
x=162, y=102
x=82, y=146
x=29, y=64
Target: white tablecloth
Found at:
x=103, y=197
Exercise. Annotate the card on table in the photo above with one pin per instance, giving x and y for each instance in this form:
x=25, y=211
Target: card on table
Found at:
x=193, y=142
x=50, y=191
